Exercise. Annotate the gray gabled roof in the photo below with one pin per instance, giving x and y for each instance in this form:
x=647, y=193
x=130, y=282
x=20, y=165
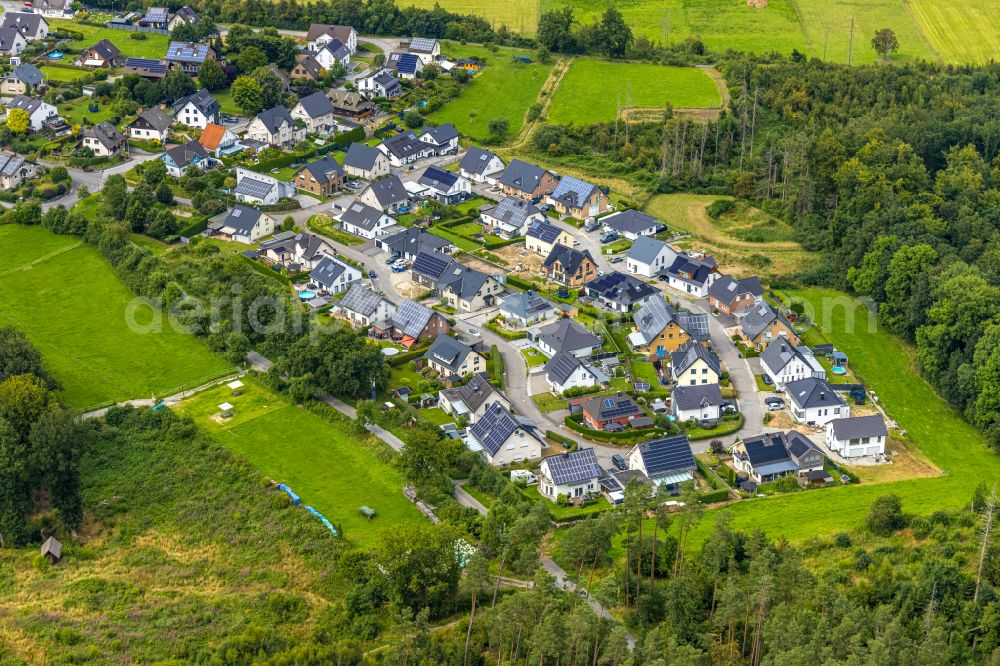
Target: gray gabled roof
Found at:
x=567, y=335
x=811, y=392
x=327, y=271
x=362, y=300
x=781, y=352
x=573, y=467
x=155, y=118
x=696, y=397
x=688, y=353
x=404, y=145
x=441, y=134
x=106, y=133
x=521, y=176
x=447, y=352
x=656, y=314
x=620, y=288
x=361, y=215
x=362, y=156
x=10, y=163
x=630, y=221
x=389, y=191
x=242, y=218
x=317, y=30
x=759, y=318
x=515, y=211
x=474, y=392
x=337, y=49
x=857, y=427
x=24, y=22
x=646, y=249
x=316, y=105
x=8, y=39
x=690, y=269
x=411, y=318
x=438, y=179
x=28, y=73
x=106, y=50
x=561, y=367
x=202, y=100
x=525, y=304
x=414, y=240
x=274, y=118
x=495, y=427
x=324, y=169
x=726, y=289
x=476, y=160
x=185, y=153
x=569, y=258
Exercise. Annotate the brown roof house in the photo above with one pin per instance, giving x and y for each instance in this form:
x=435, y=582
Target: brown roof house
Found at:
x=349, y=103
x=324, y=177
x=151, y=125
x=101, y=54
x=306, y=67
x=527, y=181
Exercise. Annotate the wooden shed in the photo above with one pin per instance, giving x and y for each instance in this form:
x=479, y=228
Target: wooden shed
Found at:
x=52, y=550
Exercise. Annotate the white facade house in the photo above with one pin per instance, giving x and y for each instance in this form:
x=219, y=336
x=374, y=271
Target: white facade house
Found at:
x=321, y=33
x=12, y=42
x=197, y=110
x=259, y=188
x=481, y=166
x=502, y=438
x=242, y=224
x=425, y=48
x=648, y=256
x=38, y=111
x=365, y=221
x=783, y=362
x=362, y=306
x=32, y=26
x=814, y=402
x=572, y=474
x=565, y=371
x=857, y=436
x=702, y=402
x=334, y=276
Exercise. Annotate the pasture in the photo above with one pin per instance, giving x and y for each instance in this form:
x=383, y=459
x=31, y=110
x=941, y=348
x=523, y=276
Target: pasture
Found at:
x=153, y=46
x=75, y=310
x=827, y=27
x=593, y=90
x=963, y=31
x=504, y=89
x=333, y=471
x=518, y=15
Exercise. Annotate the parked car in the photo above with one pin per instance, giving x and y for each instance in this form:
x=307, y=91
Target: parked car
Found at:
x=397, y=269
x=609, y=237
x=774, y=404
x=619, y=461
x=372, y=274
x=616, y=260
x=390, y=261
x=591, y=225
x=766, y=380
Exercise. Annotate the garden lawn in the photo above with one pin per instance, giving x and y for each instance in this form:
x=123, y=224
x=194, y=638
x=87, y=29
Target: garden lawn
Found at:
x=329, y=469
x=77, y=110
x=593, y=90
x=643, y=371
x=225, y=100
x=153, y=46
x=62, y=73
x=504, y=89
x=886, y=364
x=461, y=242
x=73, y=308
x=548, y=402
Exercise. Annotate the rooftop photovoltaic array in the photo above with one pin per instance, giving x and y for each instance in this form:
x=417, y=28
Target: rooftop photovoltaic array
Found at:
x=411, y=318
x=494, y=427
x=669, y=454
x=430, y=264
x=361, y=299
x=573, y=467
x=422, y=44
x=252, y=187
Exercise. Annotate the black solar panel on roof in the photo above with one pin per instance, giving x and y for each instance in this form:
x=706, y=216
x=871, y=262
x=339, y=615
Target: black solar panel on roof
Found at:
x=669, y=454
x=574, y=467
x=251, y=187
x=430, y=264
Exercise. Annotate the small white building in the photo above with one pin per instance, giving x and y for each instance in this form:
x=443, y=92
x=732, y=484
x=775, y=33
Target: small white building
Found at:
x=426, y=49
x=783, y=362
x=572, y=474
x=365, y=221
x=857, y=436
x=631, y=224
x=503, y=438
x=362, y=306
x=565, y=371
x=702, y=402
x=197, y=110
x=334, y=276
x=814, y=402
x=444, y=186
x=648, y=256
x=242, y=224
x=259, y=188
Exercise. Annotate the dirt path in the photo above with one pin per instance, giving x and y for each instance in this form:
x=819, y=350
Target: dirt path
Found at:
x=545, y=94
x=720, y=83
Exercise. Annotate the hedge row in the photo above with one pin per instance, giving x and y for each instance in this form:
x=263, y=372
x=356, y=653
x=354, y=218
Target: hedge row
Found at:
x=405, y=357
x=282, y=206
x=264, y=270
x=504, y=333
x=626, y=437
x=561, y=439
x=725, y=428
x=713, y=496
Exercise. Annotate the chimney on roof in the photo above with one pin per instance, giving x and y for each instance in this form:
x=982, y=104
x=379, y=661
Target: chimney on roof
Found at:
x=565, y=454
x=822, y=395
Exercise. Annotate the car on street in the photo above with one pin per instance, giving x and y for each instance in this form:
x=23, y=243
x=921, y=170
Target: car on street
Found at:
x=774, y=404
x=619, y=461
x=616, y=260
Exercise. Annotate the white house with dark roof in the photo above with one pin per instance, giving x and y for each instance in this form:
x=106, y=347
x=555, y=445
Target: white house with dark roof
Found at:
x=699, y=403
x=631, y=224
x=38, y=110
x=619, y=291
x=275, y=127
x=316, y=112
x=260, y=188
x=542, y=237
x=410, y=242
x=450, y=358
x=443, y=186
x=776, y=454
x=525, y=308
x=54, y=8
x=333, y=275
x=667, y=461
x=785, y=362
x=481, y=165
x=103, y=139
x=362, y=306
x=565, y=371
x=405, y=148
x=472, y=399
x=648, y=257
x=184, y=16
x=151, y=125
x=693, y=364
x=814, y=402
x=32, y=26
x=333, y=52
x=387, y=194
x=364, y=161
x=503, y=438
x=296, y=251
x=12, y=42
x=461, y=287
x=14, y=170
x=443, y=138
x=191, y=154
x=242, y=224
x=572, y=474
x=101, y=54
x=512, y=217
x=197, y=110
x=321, y=33
x=567, y=336
x=365, y=221
x=380, y=84
x=857, y=436
x=692, y=274
x=425, y=48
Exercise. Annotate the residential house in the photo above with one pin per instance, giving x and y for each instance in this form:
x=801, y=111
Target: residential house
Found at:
x=619, y=291
x=21, y=80
x=814, y=402
x=775, y=454
x=12, y=42
x=542, y=237
x=259, y=188
x=729, y=295
x=693, y=364
x=411, y=241
x=451, y=359
x=350, y=104
x=321, y=33
x=424, y=48
x=387, y=194
x=334, y=275
x=660, y=328
x=296, y=252
x=444, y=186
x=14, y=170
x=242, y=224
x=471, y=400
x=380, y=84
x=512, y=217
x=567, y=336
x=101, y=54
x=480, y=165
x=578, y=198
x=365, y=221
x=857, y=436
x=151, y=125
x=784, y=362
x=362, y=306
x=219, y=140
x=692, y=274
x=405, y=148
x=461, y=287
x=668, y=462
x=189, y=56
x=565, y=371
x=306, y=68
x=275, y=127
x=573, y=474
x=702, y=402
x=503, y=438
x=148, y=68
x=631, y=224
x=103, y=139
x=323, y=176
x=156, y=17
x=38, y=111
x=613, y=412
x=525, y=308
x=569, y=266
x=191, y=154
x=59, y=9
x=364, y=161
x=184, y=16
x=527, y=181
x=316, y=112
x=197, y=110
x=648, y=257
x=405, y=65
x=31, y=26
x=443, y=138
x=763, y=325
x=332, y=54
x=411, y=323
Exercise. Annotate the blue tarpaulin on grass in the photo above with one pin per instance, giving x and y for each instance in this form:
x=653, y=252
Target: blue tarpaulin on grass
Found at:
x=295, y=498
x=322, y=518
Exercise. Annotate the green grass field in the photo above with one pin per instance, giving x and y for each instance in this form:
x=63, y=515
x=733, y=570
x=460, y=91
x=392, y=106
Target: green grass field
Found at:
x=959, y=30
x=518, y=15
x=827, y=27
x=886, y=364
x=504, y=89
x=75, y=111
x=329, y=469
x=593, y=90
x=61, y=73
x=153, y=46
x=73, y=308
